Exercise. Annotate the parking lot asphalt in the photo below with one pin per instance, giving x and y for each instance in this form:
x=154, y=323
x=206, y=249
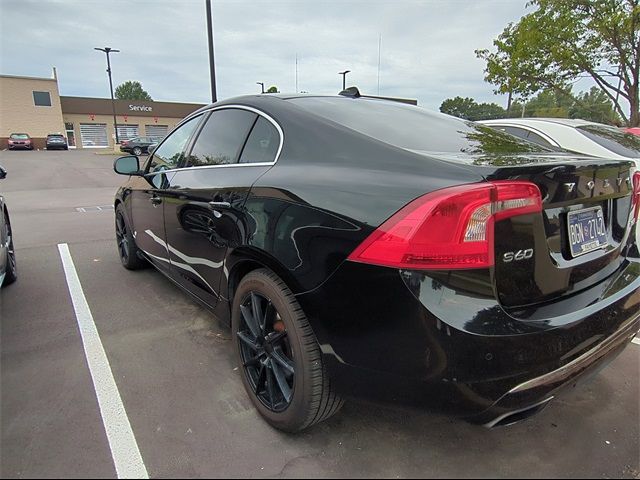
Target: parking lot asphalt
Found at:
x=174, y=371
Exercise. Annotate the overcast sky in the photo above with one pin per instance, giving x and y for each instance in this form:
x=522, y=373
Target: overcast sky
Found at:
x=427, y=46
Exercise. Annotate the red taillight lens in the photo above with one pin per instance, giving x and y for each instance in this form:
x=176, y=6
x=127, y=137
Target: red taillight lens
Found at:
x=636, y=195
x=450, y=228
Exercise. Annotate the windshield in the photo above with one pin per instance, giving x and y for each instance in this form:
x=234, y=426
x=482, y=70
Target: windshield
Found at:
x=19, y=136
x=617, y=141
x=415, y=128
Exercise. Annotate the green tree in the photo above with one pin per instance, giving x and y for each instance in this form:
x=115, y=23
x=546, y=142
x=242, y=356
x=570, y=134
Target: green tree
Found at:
x=469, y=109
x=272, y=89
x=131, y=90
x=550, y=103
x=594, y=105
x=563, y=40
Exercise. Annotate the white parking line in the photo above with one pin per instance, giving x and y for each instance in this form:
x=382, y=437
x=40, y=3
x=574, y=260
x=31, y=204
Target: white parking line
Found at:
x=636, y=340
x=122, y=442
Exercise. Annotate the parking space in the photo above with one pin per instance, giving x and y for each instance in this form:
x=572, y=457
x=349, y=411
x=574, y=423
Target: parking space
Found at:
x=174, y=371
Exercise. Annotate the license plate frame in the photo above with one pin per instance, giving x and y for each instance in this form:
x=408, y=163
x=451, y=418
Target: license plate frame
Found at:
x=590, y=221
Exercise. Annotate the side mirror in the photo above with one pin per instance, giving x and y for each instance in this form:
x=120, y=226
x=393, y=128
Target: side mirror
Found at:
x=3, y=173
x=128, y=165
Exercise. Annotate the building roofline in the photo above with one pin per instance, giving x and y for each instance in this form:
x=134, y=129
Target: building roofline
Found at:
x=25, y=77
x=106, y=99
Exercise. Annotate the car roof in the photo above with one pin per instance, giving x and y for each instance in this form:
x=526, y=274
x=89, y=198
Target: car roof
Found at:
x=569, y=122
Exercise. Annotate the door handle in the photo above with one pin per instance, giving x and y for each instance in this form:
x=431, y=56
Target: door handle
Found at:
x=215, y=205
x=155, y=201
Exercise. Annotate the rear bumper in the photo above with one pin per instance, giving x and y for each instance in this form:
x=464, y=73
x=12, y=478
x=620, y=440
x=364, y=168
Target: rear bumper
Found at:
x=411, y=339
x=538, y=391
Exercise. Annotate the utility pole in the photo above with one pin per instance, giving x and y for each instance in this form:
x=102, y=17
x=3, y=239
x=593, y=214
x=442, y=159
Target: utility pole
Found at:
x=212, y=65
x=262, y=85
x=109, y=50
x=379, y=47
x=344, y=78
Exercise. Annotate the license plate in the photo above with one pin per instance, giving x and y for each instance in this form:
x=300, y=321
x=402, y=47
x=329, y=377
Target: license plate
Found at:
x=587, y=231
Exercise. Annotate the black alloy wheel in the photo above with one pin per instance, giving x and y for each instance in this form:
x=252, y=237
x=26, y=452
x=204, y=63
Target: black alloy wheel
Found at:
x=265, y=352
x=11, y=273
x=279, y=356
x=137, y=151
x=127, y=248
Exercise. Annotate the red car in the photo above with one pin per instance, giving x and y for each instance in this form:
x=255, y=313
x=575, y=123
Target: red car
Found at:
x=633, y=130
x=20, y=140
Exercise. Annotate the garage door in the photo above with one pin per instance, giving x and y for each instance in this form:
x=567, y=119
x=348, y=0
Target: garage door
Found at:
x=156, y=131
x=127, y=132
x=94, y=135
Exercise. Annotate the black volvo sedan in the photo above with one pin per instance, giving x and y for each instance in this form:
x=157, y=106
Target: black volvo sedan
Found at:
x=361, y=247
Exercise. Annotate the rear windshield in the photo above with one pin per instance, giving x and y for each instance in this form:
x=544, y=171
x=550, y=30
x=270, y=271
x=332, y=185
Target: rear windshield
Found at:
x=617, y=141
x=415, y=128
x=19, y=136
x=55, y=135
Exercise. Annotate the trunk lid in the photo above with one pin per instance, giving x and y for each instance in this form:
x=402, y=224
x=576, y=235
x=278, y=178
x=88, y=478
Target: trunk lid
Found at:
x=534, y=258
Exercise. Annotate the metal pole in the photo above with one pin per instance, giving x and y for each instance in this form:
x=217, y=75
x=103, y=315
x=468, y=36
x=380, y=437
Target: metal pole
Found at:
x=107, y=51
x=113, y=103
x=212, y=66
x=344, y=78
x=261, y=85
x=379, y=48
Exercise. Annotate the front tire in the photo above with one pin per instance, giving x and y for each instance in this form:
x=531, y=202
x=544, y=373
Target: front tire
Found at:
x=128, y=251
x=278, y=354
x=11, y=273
x=137, y=151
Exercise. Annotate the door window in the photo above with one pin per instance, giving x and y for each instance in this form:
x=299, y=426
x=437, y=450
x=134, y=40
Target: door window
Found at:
x=171, y=151
x=222, y=138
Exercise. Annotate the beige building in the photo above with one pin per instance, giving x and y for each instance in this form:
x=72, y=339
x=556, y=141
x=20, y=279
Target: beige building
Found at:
x=34, y=106
x=29, y=105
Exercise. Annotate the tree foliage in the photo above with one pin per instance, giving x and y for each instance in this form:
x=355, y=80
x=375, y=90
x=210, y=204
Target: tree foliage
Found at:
x=563, y=40
x=131, y=90
x=469, y=109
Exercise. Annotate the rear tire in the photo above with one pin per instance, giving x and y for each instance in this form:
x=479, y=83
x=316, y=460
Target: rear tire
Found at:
x=128, y=251
x=286, y=380
x=137, y=151
x=11, y=273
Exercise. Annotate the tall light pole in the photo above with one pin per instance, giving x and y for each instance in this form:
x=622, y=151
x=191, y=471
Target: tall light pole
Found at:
x=262, y=85
x=344, y=78
x=109, y=50
x=212, y=65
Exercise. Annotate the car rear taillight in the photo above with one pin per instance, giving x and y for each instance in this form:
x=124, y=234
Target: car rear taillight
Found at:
x=448, y=229
x=636, y=195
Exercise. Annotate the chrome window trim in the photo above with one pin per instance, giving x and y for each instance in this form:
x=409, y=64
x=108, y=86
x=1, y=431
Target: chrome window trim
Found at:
x=231, y=165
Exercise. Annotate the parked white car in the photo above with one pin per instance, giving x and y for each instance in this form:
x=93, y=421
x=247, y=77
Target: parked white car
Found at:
x=580, y=136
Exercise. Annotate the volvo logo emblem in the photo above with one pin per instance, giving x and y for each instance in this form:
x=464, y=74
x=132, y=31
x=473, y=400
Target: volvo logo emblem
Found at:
x=591, y=185
x=570, y=187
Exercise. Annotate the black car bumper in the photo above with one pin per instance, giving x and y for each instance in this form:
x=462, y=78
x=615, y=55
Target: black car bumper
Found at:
x=410, y=338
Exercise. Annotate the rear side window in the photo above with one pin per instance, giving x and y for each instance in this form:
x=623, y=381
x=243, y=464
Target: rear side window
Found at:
x=415, y=128
x=221, y=138
x=262, y=144
x=617, y=141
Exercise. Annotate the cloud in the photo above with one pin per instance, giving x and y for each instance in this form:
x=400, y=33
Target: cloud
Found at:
x=427, y=47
